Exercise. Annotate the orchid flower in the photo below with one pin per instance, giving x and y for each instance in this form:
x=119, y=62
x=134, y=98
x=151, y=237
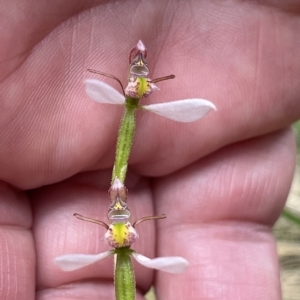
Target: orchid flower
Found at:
x=140, y=86
x=120, y=234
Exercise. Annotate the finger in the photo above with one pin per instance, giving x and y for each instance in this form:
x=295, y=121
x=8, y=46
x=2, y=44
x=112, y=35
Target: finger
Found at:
x=17, y=261
x=220, y=215
x=92, y=290
x=253, y=95
x=30, y=21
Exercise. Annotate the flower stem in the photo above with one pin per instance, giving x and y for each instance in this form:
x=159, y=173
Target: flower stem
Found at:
x=125, y=138
x=124, y=275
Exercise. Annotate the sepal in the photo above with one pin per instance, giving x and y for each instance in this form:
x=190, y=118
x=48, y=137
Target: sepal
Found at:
x=188, y=110
x=169, y=264
x=71, y=262
x=101, y=92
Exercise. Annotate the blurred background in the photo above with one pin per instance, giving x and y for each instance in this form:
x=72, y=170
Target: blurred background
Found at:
x=287, y=233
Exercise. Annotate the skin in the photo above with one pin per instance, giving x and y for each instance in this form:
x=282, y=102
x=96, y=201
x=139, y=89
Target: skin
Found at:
x=223, y=180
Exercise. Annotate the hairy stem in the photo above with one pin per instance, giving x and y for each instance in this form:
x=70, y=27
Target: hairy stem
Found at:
x=125, y=138
x=124, y=275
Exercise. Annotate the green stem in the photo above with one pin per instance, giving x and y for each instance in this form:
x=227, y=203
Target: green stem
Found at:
x=125, y=138
x=291, y=216
x=124, y=275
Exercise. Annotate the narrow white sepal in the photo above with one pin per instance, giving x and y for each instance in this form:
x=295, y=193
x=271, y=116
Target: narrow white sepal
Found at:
x=71, y=262
x=170, y=264
x=101, y=92
x=141, y=46
x=188, y=110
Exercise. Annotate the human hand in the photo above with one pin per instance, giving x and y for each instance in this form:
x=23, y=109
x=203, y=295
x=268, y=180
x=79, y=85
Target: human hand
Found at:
x=220, y=208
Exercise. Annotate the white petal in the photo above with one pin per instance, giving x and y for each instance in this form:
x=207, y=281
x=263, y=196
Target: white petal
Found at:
x=102, y=92
x=187, y=110
x=170, y=264
x=71, y=262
